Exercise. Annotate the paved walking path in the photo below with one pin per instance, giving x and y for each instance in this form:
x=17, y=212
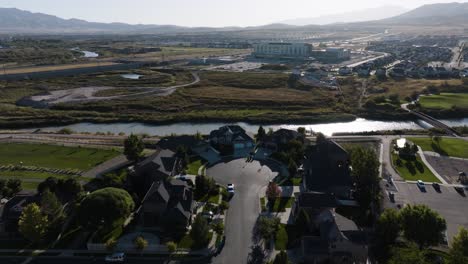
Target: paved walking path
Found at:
x=423, y=158
x=435, y=154
x=107, y=166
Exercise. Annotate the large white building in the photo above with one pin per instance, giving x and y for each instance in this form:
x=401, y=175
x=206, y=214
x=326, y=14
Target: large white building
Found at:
x=282, y=50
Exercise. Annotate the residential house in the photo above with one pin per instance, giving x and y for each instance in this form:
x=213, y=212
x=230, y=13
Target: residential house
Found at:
x=427, y=72
x=364, y=71
x=397, y=72
x=327, y=169
x=12, y=211
x=233, y=136
x=343, y=71
x=159, y=166
x=336, y=239
x=381, y=73
x=280, y=137
x=442, y=72
x=195, y=146
x=168, y=203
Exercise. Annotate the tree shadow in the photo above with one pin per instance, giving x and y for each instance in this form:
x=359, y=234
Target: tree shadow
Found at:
x=410, y=166
x=419, y=166
x=438, y=149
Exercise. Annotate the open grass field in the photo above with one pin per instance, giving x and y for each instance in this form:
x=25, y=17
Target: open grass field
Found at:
x=51, y=156
x=247, y=79
x=413, y=169
x=447, y=146
x=445, y=101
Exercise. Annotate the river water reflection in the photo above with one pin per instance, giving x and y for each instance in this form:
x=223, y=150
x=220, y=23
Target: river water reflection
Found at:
x=359, y=125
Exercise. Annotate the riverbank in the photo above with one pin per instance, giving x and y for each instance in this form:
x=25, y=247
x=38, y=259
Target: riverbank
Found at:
x=267, y=118
x=190, y=128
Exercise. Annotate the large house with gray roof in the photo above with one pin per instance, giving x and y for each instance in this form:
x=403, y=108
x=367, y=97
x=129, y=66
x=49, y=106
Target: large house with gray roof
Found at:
x=168, y=203
x=327, y=170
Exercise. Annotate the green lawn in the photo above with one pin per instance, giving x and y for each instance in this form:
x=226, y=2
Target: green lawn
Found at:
x=188, y=243
x=210, y=198
x=263, y=204
x=448, y=146
x=282, y=203
x=52, y=156
x=444, y=101
x=192, y=168
x=185, y=242
x=413, y=169
x=292, y=182
x=12, y=174
x=281, y=238
x=29, y=185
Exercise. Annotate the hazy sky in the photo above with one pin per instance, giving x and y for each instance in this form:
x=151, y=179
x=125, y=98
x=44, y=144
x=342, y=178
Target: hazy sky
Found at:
x=214, y=13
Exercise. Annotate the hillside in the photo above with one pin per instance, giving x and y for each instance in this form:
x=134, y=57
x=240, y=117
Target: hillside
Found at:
x=435, y=14
x=13, y=20
x=348, y=17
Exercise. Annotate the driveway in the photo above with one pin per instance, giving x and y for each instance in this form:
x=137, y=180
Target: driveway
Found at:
x=248, y=178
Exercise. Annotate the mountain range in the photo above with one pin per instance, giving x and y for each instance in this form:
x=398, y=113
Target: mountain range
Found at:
x=347, y=17
x=13, y=20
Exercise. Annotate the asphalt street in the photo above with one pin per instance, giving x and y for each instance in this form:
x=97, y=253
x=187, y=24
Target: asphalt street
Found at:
x=248, y=179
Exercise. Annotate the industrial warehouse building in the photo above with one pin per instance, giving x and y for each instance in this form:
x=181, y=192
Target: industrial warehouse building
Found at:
x=282, y=50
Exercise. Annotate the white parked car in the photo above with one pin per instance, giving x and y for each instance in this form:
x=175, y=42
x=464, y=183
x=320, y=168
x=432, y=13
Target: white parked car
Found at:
x=420, y=184
x=230, y=188
x=116, y=257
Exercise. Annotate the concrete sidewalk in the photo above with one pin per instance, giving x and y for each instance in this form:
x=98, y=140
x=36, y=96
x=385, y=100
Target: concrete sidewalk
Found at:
x=423, y=158
x=107, y=166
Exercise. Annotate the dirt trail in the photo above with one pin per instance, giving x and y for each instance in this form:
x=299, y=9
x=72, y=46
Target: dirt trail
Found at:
x=87, y=94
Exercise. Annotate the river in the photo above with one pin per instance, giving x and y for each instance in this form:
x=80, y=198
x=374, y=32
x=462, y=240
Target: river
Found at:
x=358, y=125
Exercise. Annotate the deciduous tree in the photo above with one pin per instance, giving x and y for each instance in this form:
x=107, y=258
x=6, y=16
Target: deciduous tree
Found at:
x=422, y=225
x=273, y=191
x=365, y=173
x=50, y=205
x=32, y=223
x=105, y=206
x=388, y=227
x=260, y=133
x=257, y=255
x=200, y=231
x=459, y=250
x=133, y=147
x=140, y=243
x=281, y=258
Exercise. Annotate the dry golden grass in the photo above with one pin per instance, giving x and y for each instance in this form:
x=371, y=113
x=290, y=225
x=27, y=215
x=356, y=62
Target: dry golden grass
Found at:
x=241, y=94
x=407, y=86
x=55, y=67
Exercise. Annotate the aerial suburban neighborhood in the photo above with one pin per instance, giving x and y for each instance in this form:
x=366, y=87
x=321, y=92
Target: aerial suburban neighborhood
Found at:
x=198, y=132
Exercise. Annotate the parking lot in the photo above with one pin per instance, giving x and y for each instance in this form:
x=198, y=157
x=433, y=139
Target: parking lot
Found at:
x=449, y=203
x=448, y=167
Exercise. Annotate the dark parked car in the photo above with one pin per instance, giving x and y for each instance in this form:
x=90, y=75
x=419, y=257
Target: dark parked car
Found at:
x=436, y=186
x=460, y=190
